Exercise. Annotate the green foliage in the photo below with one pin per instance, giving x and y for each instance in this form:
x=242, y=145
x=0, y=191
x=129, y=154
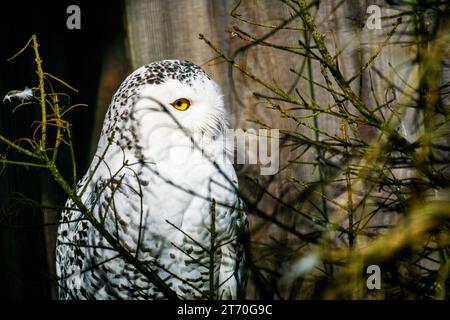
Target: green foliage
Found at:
x=40, y=153
x=383, y=200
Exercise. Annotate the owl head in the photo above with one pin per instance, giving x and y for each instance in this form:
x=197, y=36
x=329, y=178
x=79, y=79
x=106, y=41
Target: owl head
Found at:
x=179, y=93
x=164, y=97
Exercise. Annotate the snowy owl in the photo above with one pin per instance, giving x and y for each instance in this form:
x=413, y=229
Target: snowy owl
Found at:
x=161, y=185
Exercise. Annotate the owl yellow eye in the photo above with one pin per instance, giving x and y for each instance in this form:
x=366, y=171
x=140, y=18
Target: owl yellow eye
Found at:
x=181, y=104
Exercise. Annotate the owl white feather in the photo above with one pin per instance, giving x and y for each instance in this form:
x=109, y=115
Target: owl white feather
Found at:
x=159, y=165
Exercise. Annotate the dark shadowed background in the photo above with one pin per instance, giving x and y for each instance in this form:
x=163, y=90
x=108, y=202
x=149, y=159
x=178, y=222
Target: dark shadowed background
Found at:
x=78, y=57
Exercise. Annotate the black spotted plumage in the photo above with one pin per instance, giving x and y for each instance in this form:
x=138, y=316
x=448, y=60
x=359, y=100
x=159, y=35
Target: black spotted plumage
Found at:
x=142, y=200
